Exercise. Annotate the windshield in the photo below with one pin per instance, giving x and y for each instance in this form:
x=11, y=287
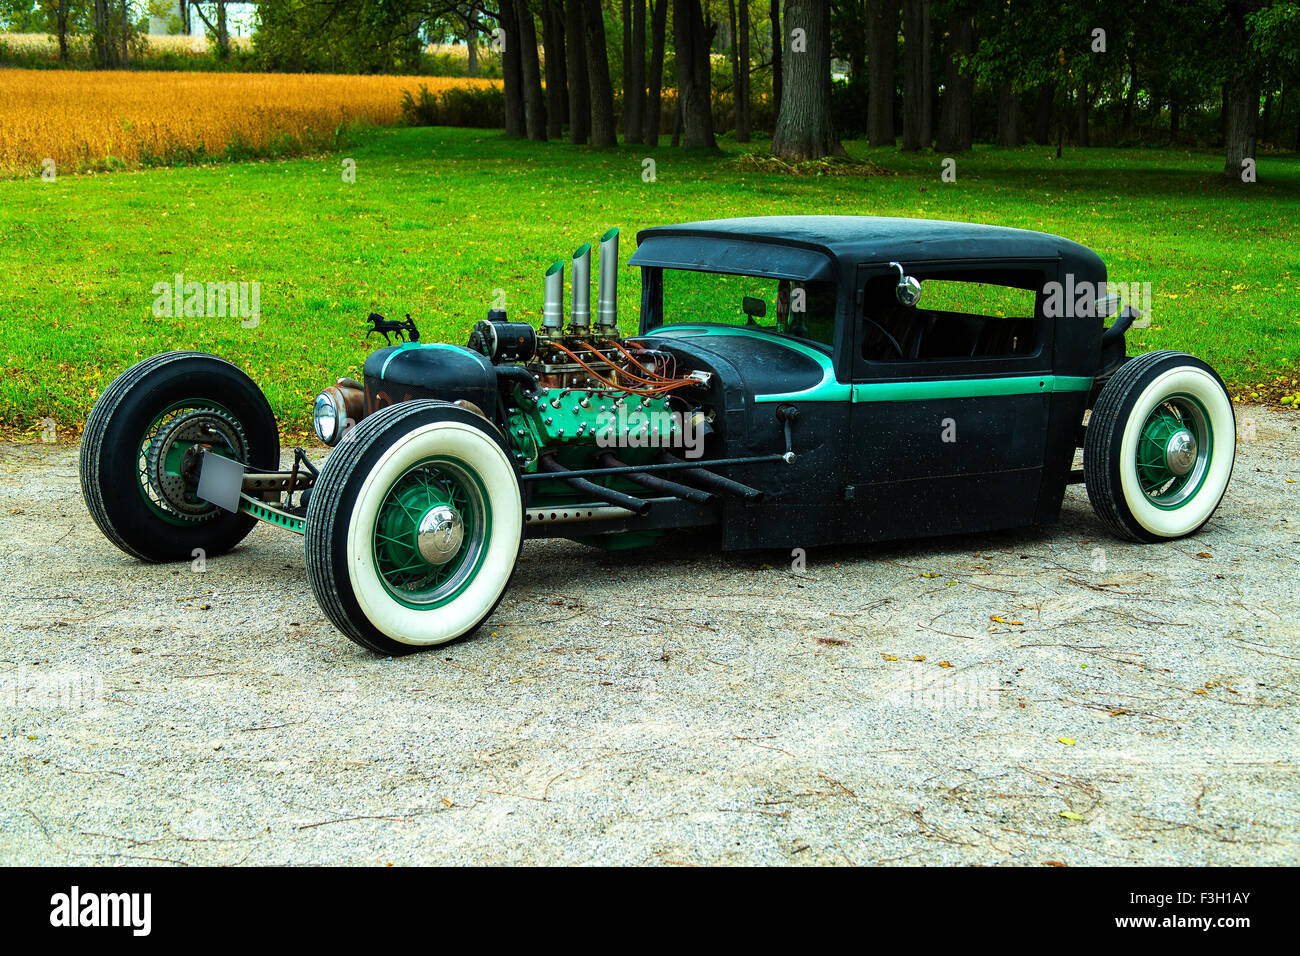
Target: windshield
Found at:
x=805, y=310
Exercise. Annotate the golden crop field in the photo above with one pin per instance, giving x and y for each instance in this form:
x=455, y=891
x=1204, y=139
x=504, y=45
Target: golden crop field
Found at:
x=92, y=119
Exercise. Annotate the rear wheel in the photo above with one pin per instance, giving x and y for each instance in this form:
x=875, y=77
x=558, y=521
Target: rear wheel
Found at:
x=1160, y=447
x=414, y=527
x=143, y=443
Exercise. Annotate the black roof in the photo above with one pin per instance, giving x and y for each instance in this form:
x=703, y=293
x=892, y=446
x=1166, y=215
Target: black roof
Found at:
x=725, y=245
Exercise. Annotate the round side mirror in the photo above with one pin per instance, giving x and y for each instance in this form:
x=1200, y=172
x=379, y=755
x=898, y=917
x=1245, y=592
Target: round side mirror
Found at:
x=908, y=290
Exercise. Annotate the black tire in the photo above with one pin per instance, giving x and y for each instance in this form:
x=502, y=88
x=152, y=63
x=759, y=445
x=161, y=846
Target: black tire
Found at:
x=122, y=502
x=1197, y=402
x=347, y=504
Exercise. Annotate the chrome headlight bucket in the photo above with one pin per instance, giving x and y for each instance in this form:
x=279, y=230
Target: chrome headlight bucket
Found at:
x=327, y=418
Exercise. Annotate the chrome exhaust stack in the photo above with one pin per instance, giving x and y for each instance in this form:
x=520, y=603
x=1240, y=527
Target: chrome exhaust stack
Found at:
x=553, y=297
x=607, y=300
x=580, y=313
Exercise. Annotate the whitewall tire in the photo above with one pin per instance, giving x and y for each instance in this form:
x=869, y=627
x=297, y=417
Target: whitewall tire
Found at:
x=414, y=527
x=1160, y=447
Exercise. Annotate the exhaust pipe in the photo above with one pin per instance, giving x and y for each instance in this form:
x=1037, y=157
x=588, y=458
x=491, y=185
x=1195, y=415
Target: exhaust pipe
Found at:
x=638, y=506
x=718, y=483
x=607, y=302
x=580, y=314
x=553, y=297
x=655, y=483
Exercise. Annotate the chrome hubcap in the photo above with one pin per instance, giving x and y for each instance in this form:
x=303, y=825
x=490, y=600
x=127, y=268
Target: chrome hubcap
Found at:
x=440, y=534
x=1180, y=452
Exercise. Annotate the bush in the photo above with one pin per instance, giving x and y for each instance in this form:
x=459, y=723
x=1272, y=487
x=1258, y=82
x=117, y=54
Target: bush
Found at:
x=479, y=107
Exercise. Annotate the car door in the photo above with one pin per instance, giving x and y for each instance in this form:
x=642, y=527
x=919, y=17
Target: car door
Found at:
x=950, y=399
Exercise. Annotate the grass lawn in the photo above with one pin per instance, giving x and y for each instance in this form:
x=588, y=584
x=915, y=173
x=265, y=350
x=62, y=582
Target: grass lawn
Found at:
x=438, y=219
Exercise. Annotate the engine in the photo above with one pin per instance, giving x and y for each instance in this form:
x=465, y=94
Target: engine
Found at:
x=584, y=390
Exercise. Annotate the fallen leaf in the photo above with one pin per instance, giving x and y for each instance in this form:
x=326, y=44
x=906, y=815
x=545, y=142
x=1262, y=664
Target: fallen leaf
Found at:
x=1204, y=554
x=446, y=801
x=1071, y=815
x=1068, y=741
x=1118, y=713
x=889, y=657
x=919, y=657
x=927, y=574
x=945, y=664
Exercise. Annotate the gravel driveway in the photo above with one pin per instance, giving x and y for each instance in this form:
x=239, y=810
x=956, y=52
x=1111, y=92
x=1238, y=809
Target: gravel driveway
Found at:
x=1050, y=695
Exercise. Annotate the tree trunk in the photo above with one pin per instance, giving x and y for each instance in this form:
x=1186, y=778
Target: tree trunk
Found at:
x=1130, y=97
x=743, y=125
x=882, y=49
x=126, y=29
x=654, y=101
x=955, y=111
x=512, y=69
x=691, y=43
x=557, y=93
x=603, y=132
x=1009, y=132
x=1242, y=109
x=579, y=86
x=735, y=64
x=534, y=104
x=625, y=81
x=1043, y=113
x=1175, y=117
x=916, y=73
x=471, y=41
x=1081, y=108
x=778, y=40
x=223, y=35
x=634, y=94
x=61, y=12
x=804, y=129
x=1240, y=98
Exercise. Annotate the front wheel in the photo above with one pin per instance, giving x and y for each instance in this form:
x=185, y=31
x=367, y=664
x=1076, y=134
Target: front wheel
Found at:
x=143, y=444
x=414, y=527
x=1159, y=447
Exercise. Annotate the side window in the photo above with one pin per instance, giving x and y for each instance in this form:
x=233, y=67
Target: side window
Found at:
x=957, y=317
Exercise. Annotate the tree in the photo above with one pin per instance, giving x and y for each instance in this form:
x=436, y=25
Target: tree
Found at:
x=882, y=48
x=634, y=97
x=1241, y=89
x=743, y=118
x=804, y=128
x=954, y=134
x=654, y=97
x=575, y=29
x=219, y=31
x=512, y=68
x=917, y=107
x=774, y=18
x=557, y=71
x=691, y=43
x=740, y=67
x=470, y=18
x=602, y=94
x=531, y=73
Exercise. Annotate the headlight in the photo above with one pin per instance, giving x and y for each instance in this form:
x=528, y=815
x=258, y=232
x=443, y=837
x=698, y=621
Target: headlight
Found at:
x=327, y=418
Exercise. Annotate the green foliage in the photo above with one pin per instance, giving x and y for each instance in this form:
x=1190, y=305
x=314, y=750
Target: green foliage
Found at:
x=461, y=106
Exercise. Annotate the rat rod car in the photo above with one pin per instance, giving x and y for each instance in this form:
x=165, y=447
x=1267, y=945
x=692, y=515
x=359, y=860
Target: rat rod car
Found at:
x=852, y=415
